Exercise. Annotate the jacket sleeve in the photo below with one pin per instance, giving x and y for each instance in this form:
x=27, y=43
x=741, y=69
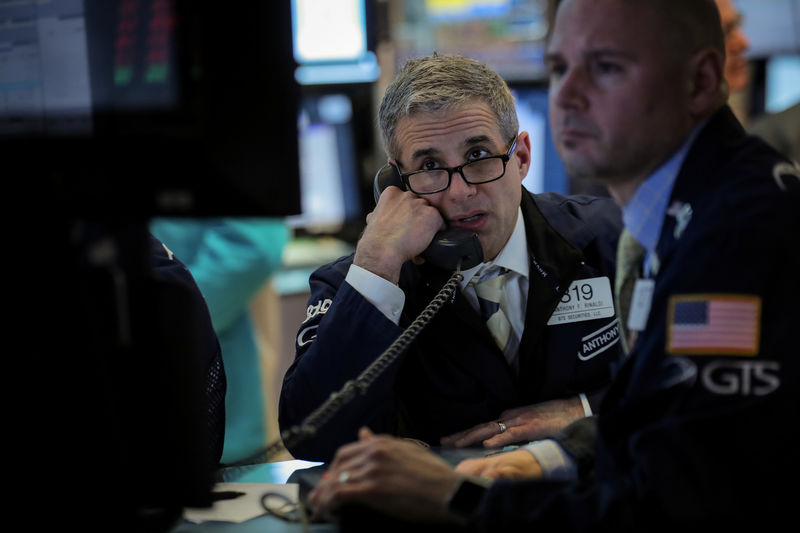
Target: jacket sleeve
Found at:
x=579, y=439
x=341, y=335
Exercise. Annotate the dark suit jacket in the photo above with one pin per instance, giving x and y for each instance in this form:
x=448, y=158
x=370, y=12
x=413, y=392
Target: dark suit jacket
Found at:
x=453, y=376
x=699, y=438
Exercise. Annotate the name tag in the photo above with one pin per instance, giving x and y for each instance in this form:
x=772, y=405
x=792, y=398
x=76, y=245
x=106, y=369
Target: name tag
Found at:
x=586, y=299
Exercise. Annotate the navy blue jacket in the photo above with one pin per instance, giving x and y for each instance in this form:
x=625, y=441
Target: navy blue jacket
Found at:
x=693, y=437
x=453, y=376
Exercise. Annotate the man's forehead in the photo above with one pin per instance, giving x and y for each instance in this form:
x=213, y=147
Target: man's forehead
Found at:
x=446, y=129
x=596, y=31
x=727, y=10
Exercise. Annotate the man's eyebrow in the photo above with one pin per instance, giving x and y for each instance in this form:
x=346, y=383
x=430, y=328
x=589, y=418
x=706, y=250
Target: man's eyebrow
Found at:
x=550, y=57
x=477, y=139
x=422, y=152
x=470, y=141
x=609, y=52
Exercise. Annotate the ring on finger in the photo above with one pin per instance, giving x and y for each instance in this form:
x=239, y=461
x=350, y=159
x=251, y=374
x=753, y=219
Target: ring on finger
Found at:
x=344, y=476
x=502, y=425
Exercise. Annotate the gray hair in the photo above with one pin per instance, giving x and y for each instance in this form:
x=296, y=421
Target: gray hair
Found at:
x=441, y=83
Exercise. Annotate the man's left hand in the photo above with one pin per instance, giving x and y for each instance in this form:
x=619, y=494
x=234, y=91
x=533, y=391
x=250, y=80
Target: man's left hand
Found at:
x=395, y=476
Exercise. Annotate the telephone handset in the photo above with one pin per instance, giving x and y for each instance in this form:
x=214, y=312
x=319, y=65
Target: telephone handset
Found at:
x=450, y=246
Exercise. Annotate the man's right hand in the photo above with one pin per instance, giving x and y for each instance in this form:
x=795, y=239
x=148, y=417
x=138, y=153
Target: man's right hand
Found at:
x=399, y=229
x=517, y=464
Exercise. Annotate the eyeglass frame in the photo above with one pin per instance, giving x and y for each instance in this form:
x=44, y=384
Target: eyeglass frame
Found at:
x=505, y=158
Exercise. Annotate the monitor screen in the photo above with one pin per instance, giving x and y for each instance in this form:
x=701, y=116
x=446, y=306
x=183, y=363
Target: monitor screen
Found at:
x=161, y=107
x=771, y=26
x=111, y=112
x=328, y=164
x=507, y=35
x=782, y=82
x=332, y=42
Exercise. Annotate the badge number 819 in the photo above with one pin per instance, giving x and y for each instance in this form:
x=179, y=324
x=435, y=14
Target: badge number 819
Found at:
x=585, y=299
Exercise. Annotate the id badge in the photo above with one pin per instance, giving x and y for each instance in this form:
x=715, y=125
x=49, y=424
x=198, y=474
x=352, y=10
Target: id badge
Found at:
x=640, y=304
x=586, y=299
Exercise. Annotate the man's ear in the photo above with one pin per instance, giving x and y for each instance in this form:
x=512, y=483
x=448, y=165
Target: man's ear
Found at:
x=522, y=154
x=708, y=87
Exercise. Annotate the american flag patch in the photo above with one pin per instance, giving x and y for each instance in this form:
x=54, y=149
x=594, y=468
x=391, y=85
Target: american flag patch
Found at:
x=719, y=324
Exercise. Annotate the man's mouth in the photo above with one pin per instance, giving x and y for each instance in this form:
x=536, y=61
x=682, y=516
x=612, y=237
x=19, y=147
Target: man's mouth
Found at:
x=575, y=129
x=471, y=221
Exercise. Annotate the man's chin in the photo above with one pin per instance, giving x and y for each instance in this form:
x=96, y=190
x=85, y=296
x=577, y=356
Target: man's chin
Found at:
x=580, y=169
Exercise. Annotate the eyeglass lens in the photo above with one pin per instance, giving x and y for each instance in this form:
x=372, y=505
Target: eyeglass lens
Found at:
x=479, y=171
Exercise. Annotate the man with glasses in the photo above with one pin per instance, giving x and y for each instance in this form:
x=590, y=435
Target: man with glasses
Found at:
x=544, y=357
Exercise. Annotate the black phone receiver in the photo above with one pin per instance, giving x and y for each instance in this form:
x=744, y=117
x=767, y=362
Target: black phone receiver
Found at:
x=449, y=247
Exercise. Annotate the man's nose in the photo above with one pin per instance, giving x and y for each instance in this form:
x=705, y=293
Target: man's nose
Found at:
x=570, y=90
x=459, y=187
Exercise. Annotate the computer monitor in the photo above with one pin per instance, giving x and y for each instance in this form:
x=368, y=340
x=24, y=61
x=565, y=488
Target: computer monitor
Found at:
x=112, y=112
x=771, y=26
x=153, y=107
x=329, y=171
x=334, y=42
x=782, y=82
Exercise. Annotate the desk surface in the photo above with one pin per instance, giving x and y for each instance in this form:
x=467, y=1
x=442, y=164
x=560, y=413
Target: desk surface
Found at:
x=278, y=473
x=268, y=473
x=261, y=524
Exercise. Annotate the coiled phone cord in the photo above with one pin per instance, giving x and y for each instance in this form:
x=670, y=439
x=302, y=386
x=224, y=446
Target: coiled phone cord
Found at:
x=351, y=388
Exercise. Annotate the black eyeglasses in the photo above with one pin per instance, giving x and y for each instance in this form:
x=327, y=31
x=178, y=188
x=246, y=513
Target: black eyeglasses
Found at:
x=475, y=172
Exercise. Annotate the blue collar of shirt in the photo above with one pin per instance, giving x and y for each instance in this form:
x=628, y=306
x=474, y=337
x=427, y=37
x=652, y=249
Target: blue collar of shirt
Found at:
x=644, y=213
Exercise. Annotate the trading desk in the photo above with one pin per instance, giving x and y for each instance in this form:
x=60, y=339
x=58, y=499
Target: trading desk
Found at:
x=280, y=476
x=243, y=513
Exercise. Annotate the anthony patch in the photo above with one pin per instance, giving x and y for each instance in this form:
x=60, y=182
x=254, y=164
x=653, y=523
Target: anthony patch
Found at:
x=599, y=341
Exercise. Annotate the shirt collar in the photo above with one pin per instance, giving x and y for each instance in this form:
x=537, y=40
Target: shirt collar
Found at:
x=513, y=256
x=644, y=213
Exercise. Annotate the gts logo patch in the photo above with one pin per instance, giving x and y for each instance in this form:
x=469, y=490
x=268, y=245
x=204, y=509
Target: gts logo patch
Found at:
x=757, y=378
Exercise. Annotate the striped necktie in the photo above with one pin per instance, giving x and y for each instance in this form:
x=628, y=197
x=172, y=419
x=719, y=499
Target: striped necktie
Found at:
x=488, y=287
x=630, y=254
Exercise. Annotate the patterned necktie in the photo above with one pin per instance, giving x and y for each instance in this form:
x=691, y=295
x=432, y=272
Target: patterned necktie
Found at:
x=630, y=254
x=488, y=286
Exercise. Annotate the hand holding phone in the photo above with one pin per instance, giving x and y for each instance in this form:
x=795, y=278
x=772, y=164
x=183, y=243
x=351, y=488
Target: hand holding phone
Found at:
x=450, y=247
x=398, y=230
